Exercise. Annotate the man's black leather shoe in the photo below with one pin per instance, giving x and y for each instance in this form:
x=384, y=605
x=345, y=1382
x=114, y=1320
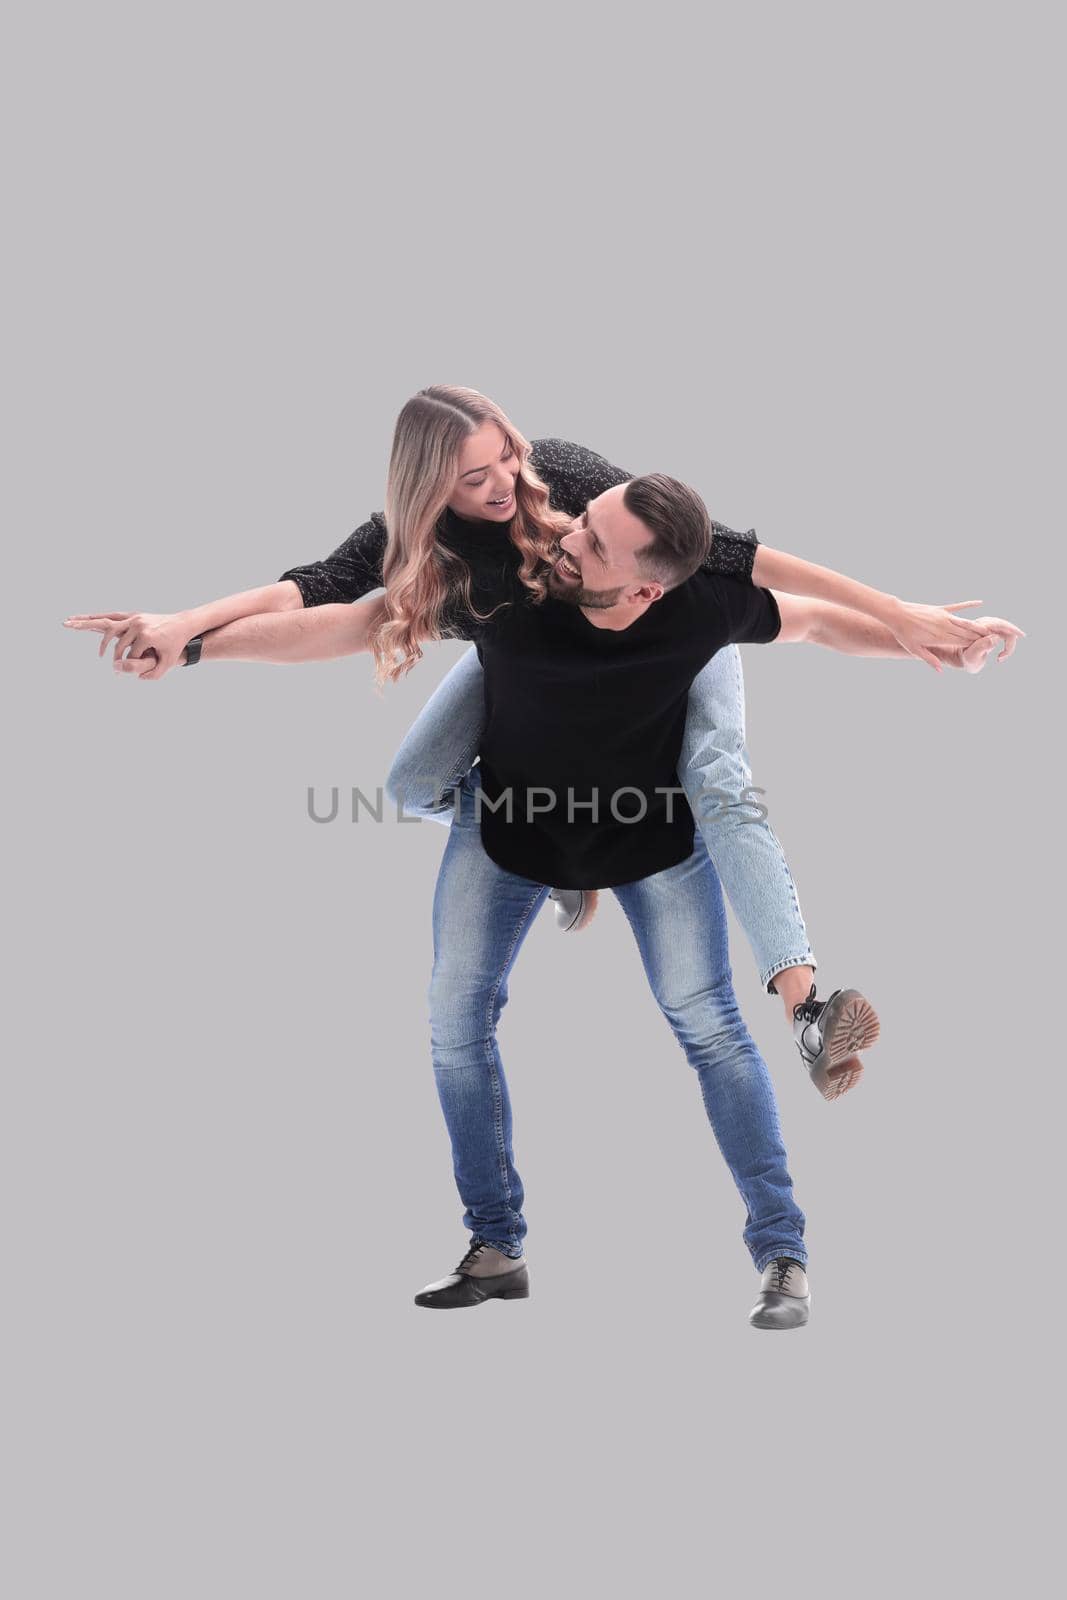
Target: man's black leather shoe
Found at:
x=466, y=1288
x=785, y=1299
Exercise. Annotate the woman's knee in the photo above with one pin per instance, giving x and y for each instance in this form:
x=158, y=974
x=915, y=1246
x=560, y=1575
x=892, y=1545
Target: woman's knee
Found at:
x=414, y=790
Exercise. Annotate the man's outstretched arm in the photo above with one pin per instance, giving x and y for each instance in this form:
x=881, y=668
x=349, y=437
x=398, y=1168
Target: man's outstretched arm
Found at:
x=851, y=632
x=921, y=629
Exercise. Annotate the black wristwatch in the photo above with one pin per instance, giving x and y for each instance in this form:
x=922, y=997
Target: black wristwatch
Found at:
x=193, y=649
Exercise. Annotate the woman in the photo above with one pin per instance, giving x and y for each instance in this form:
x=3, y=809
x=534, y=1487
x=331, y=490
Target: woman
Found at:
x=467, y=496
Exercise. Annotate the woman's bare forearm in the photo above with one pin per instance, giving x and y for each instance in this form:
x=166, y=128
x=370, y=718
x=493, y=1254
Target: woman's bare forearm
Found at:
x=775, y=569
x=319, y=634
x=272, y=597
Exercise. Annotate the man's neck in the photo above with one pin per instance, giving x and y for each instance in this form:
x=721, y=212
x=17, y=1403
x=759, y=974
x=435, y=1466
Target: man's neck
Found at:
x=614, y=618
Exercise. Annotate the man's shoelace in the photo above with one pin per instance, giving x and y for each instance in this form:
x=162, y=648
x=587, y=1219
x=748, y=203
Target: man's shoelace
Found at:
x=783, y=1266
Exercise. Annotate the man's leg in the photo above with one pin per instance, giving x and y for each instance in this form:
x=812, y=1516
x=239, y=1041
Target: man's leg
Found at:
x=481, y=916
x=679, y=921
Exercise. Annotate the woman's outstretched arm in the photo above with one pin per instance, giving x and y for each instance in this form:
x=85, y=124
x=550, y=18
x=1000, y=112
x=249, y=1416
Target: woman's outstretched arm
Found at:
x=320, y=634
x=351, y=572
x=161, y=637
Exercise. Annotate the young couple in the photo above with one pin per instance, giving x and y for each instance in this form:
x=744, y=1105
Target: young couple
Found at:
x=603, y=692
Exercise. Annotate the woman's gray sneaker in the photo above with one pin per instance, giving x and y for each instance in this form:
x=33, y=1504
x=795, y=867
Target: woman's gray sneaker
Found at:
x=785, y=1299
x=829, y=1032
x=574, y=908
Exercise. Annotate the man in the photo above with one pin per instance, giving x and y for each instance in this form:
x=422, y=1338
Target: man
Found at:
x=585, y=700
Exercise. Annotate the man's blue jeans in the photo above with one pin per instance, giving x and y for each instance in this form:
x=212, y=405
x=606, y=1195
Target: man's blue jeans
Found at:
x=481, y=916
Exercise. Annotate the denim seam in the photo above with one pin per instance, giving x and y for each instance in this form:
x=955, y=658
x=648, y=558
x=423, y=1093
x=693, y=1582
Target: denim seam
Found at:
x=792, y=1252
x=505, y=1249
x=462, y=768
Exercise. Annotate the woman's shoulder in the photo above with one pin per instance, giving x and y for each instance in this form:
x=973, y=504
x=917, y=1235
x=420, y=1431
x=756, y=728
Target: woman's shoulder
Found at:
x=574, y=473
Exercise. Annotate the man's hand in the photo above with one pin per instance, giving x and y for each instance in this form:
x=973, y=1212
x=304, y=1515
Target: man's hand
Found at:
x=933, y=634
x=972, y=657
x=142, y=666
x=160, y=635
x=921, y=630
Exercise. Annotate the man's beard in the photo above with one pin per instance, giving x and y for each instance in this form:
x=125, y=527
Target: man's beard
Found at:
x=576, y=595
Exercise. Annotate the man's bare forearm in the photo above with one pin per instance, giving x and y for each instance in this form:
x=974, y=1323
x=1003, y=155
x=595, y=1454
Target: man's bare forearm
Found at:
x=853, y=634
x=320, y=634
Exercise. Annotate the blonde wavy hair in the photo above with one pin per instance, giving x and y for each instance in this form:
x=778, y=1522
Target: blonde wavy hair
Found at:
x=421, y=574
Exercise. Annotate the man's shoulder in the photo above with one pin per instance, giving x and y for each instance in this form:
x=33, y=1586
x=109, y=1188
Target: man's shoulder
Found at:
x=713, y=605
x=706, y=585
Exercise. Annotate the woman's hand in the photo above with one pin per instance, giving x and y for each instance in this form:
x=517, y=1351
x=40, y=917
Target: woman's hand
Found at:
x=923, y=629
x=164, y=634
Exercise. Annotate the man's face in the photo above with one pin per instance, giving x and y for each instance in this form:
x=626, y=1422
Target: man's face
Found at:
x=598, y=566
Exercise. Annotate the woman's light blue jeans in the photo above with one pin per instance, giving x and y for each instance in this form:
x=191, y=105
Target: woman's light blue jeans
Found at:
x=481, y=916
x=442, y=743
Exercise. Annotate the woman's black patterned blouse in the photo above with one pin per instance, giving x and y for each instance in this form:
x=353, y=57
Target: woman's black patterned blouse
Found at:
x=574, y=476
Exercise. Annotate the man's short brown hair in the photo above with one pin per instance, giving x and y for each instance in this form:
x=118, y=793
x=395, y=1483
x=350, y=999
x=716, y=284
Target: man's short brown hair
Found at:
x=678, y=520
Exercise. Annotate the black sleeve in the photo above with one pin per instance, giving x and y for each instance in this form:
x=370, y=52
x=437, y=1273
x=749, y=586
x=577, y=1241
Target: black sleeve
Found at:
x=576, y=475
x=751, y=614
x=732, y=553
x=351, y=571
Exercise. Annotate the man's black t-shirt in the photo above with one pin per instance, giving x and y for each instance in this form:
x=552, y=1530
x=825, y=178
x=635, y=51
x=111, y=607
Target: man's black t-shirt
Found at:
x=577, y=714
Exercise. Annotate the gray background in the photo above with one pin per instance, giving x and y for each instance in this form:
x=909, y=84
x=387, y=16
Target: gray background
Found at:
x=808, y=257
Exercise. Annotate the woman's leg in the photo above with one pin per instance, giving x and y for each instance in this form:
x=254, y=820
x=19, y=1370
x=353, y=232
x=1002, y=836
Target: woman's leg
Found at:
x=441, y=744
x=439, y=749
x=714, y=771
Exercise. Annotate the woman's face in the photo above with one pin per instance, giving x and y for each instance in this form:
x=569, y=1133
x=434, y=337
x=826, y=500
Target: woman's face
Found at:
x=485, y=483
